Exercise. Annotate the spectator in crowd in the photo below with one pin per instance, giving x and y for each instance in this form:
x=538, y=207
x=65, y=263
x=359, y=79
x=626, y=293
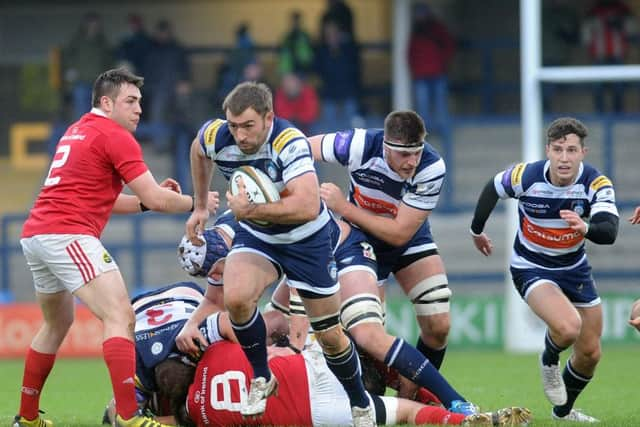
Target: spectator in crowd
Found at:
x=606, y=31
x=338, y=67
x=168, y=74
x=296, y=49
x=431, y=48
x=235, y=66
x=85, y=56
x=339, y=12
x=560, y=35
x=135, y=46
x=297, y=101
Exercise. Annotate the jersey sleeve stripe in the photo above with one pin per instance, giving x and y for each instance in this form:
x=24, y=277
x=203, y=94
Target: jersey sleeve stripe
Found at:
x=209, y=134
x=285, y=137
x=600, y=182
x=516, y=174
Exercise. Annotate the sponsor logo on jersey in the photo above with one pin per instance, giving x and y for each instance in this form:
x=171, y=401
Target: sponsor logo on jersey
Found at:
x=578, y=207
x=534, y=207
x=541, y=192
x=363, y=177
x=285, y=137
x=346, y=260
x=156, y=348
x=367, y=251
x=374, y=205
x=332, y=268
x=600, y=182
x=605, y=195
x=271, y=169
x=553, y=238
x=209, y=134
x=573, y=194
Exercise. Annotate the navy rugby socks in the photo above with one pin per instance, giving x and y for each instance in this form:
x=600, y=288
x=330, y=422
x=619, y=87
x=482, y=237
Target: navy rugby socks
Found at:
x=252, y=337
x=413, y=365
x=435, y=356
x=346, y=367
x=551, y=353
x=574, y=382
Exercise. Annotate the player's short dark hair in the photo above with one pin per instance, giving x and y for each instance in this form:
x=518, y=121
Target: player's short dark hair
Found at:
x=564, y=126
x=110, y=82
x=406, y=126
x=249, y=95
x=173, y=379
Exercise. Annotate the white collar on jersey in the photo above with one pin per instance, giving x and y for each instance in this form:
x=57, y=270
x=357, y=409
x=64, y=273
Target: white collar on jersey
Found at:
x=98, y=111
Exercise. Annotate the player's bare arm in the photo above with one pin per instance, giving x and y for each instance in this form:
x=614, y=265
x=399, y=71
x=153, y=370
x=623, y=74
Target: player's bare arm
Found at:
x=300, y=204
x=316, y=146
x=157, y=198
x=126, y=203
x=190, y=340
x=201, y=172
x=634, y=317
x=635, y=218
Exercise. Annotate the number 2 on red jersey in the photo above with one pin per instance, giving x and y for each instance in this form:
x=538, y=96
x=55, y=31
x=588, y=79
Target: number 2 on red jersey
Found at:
x=57, y=162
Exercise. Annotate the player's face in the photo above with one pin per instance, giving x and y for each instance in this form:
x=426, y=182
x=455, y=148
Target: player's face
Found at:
x=125, y=109
x=404, y=163
x=249, y=129
x=565, y=155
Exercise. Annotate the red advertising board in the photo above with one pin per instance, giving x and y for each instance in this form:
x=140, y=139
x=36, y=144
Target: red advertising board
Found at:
x=20, y=322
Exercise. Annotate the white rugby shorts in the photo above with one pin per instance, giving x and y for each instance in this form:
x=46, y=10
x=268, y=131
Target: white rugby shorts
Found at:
x=329, y=401
x=65, y=261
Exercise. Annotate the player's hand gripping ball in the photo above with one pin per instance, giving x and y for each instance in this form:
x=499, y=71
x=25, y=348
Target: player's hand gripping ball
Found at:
x=258, y=187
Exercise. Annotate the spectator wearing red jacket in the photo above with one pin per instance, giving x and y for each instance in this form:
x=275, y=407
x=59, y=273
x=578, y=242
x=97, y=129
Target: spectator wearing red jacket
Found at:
x=607, y=28
x=297, y=101
x=431, y=48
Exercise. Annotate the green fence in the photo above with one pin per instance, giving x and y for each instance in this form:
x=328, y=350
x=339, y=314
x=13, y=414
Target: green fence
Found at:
x=478, y=320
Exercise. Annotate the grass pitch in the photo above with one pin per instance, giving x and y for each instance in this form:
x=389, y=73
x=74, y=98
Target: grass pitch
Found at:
x=78, y=389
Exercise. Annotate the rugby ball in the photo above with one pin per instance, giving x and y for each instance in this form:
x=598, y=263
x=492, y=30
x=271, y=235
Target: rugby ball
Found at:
x=258, y=187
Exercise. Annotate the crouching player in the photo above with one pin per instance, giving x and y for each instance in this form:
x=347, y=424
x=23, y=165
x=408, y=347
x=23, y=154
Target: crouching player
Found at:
x=160, y=315
x=308, y=395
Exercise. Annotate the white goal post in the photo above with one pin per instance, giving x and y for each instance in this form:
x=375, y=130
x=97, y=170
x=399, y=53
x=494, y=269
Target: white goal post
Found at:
x=524, y=332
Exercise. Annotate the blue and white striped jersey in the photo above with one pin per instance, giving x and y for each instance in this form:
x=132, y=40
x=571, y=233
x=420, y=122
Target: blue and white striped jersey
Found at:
x=544, y=239
x=374, y=185
x=284, y=156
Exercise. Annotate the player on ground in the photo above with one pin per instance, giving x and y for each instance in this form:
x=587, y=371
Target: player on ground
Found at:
x=162, y=387
x=296, y=244
x=561, y=202
x=361, y=311
x=60, y=239
x=395, y=184
x=309, y=394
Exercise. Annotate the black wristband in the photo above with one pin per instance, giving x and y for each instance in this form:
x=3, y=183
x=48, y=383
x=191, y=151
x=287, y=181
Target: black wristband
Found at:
x=143, y=208
x=295, y=350
x=193, y=203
